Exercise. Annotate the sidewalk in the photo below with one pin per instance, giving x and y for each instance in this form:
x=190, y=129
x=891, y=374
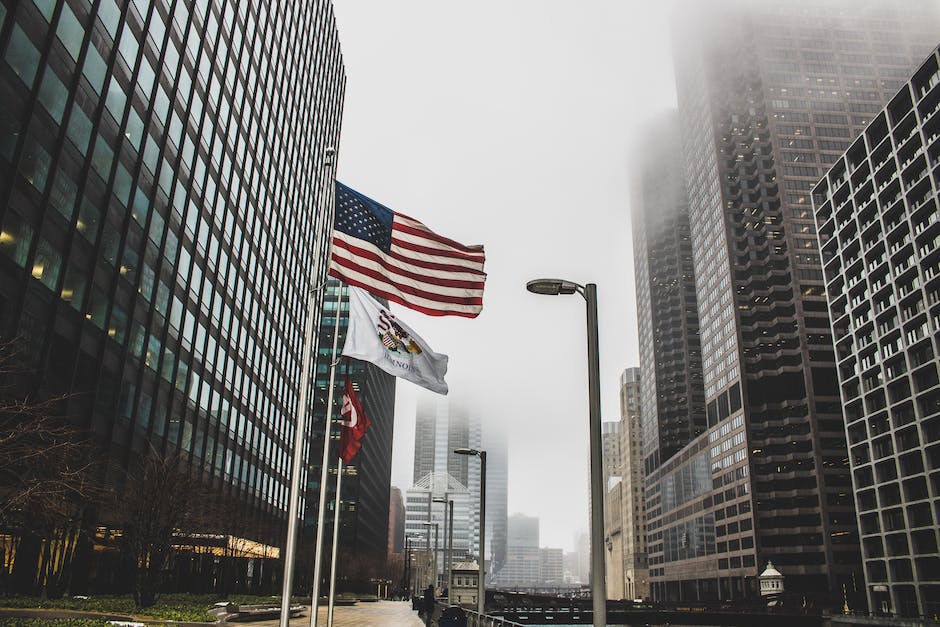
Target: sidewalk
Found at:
x=378, y=614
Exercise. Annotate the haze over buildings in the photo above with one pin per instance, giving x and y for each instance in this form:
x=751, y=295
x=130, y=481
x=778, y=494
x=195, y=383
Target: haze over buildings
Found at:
x=757, y=112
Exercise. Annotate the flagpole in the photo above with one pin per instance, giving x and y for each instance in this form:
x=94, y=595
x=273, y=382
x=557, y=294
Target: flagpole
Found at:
x=336, y=506
x=300, y=433
x=324, y=468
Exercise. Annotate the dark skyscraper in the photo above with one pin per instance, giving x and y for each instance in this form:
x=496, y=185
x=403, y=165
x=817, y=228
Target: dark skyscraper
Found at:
x=672, y=398
x=879, y=235
x=766, y=93
x=165, y=201
x=364, y=512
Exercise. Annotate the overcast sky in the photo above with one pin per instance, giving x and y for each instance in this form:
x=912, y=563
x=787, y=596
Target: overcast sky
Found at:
x=508, y=123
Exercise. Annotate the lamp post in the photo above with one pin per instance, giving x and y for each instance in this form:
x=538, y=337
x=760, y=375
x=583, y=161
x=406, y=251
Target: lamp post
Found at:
x=481, y=590
x=448, y=538
x=553, y=287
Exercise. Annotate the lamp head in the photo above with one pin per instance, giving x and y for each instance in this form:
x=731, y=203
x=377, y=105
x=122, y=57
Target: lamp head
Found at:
x=551, y=287
x=466, y=451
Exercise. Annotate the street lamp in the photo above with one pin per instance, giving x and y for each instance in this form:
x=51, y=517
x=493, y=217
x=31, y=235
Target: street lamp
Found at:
x=481, y=590
x=553, y=287
x=448, y=539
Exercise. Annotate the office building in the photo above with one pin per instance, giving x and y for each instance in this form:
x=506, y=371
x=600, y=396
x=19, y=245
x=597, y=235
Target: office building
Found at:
x=551, y=567
x=876, y=212
x=610, y=449
x=164, y=191
x=766, y=93
x=632, y=489
x=396, y=521
x=523, y=557
x=441, y=426
x=671, y=399
x=624, y=508
x=497, y=497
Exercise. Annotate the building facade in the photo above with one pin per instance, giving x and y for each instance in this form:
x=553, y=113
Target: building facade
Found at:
x=523, y=557
x=396, y=521
x=165, y=196
x=876, y=215
x=632, y=488
x=497, y=500
x=441, y=426
x=759, y=108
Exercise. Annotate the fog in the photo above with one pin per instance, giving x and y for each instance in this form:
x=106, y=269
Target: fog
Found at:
x=510, y=124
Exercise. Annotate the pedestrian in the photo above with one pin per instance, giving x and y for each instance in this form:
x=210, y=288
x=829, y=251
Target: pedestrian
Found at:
x=428, y=605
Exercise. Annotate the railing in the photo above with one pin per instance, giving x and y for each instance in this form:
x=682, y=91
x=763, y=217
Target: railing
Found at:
x=475, y=619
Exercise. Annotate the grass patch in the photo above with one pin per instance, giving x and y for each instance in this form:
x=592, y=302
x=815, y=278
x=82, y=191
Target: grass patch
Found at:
x=192, y=608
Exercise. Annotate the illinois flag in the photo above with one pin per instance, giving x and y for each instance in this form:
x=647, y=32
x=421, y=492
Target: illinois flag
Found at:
x=355, y=423
x=377, y=336
x=400, y=259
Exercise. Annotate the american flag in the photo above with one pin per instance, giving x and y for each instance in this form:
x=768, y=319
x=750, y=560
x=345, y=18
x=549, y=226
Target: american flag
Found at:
x=398, y=258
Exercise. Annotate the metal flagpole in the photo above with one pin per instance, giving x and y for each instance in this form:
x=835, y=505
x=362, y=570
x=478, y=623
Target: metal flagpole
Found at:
x=300, y=433
x=300, y=436
x=336, y=504
x=324, y=469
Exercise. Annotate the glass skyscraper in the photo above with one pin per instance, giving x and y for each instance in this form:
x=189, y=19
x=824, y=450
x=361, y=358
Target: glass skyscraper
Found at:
x=164, y=205
x=364, y=513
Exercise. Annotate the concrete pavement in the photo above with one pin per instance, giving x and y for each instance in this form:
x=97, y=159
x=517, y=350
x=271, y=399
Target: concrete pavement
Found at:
x=378, y=614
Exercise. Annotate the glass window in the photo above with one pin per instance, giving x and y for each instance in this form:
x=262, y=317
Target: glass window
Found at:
x=140, y=207
x=118, y=327
x=63, y=193
x=116, y=99
x=135, y=129
x=73, y=286
x=15, y=238
x=46, y=7
x=34, y=163
x=147, y=279
x=163, y=299
x=95, y=69
x=122, y=184
x=87, y=223
x=22, y=55
x=110, y=15
x=79, y=129
x=145, y=78
x=128, y=47
x=97, y=307
x=70, y=31
x=102, y=158
x=52, y=95
x=46, y=264
x=161, y=104
x=110, y=240
x=130, y=264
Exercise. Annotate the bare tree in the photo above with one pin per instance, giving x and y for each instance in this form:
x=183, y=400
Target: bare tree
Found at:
x=48, y=475
x=161, y=493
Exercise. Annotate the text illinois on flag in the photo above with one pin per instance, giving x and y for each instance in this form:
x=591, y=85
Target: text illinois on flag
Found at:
x=355, y=423
x=398, y=258
x=377, y=336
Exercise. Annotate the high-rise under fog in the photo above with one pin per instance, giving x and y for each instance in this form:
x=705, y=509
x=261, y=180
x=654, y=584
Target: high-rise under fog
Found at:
x=769, y=95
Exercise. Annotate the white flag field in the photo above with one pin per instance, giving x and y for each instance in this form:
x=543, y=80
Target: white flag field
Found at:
x=377, y=336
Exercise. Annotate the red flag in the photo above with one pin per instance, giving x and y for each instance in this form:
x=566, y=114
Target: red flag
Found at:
x=355, y=423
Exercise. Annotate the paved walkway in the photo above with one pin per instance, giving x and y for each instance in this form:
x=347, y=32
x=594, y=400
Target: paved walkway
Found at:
x=378, y=614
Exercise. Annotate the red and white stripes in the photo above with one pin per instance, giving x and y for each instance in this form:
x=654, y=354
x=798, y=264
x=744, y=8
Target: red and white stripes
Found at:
x=423, y=270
